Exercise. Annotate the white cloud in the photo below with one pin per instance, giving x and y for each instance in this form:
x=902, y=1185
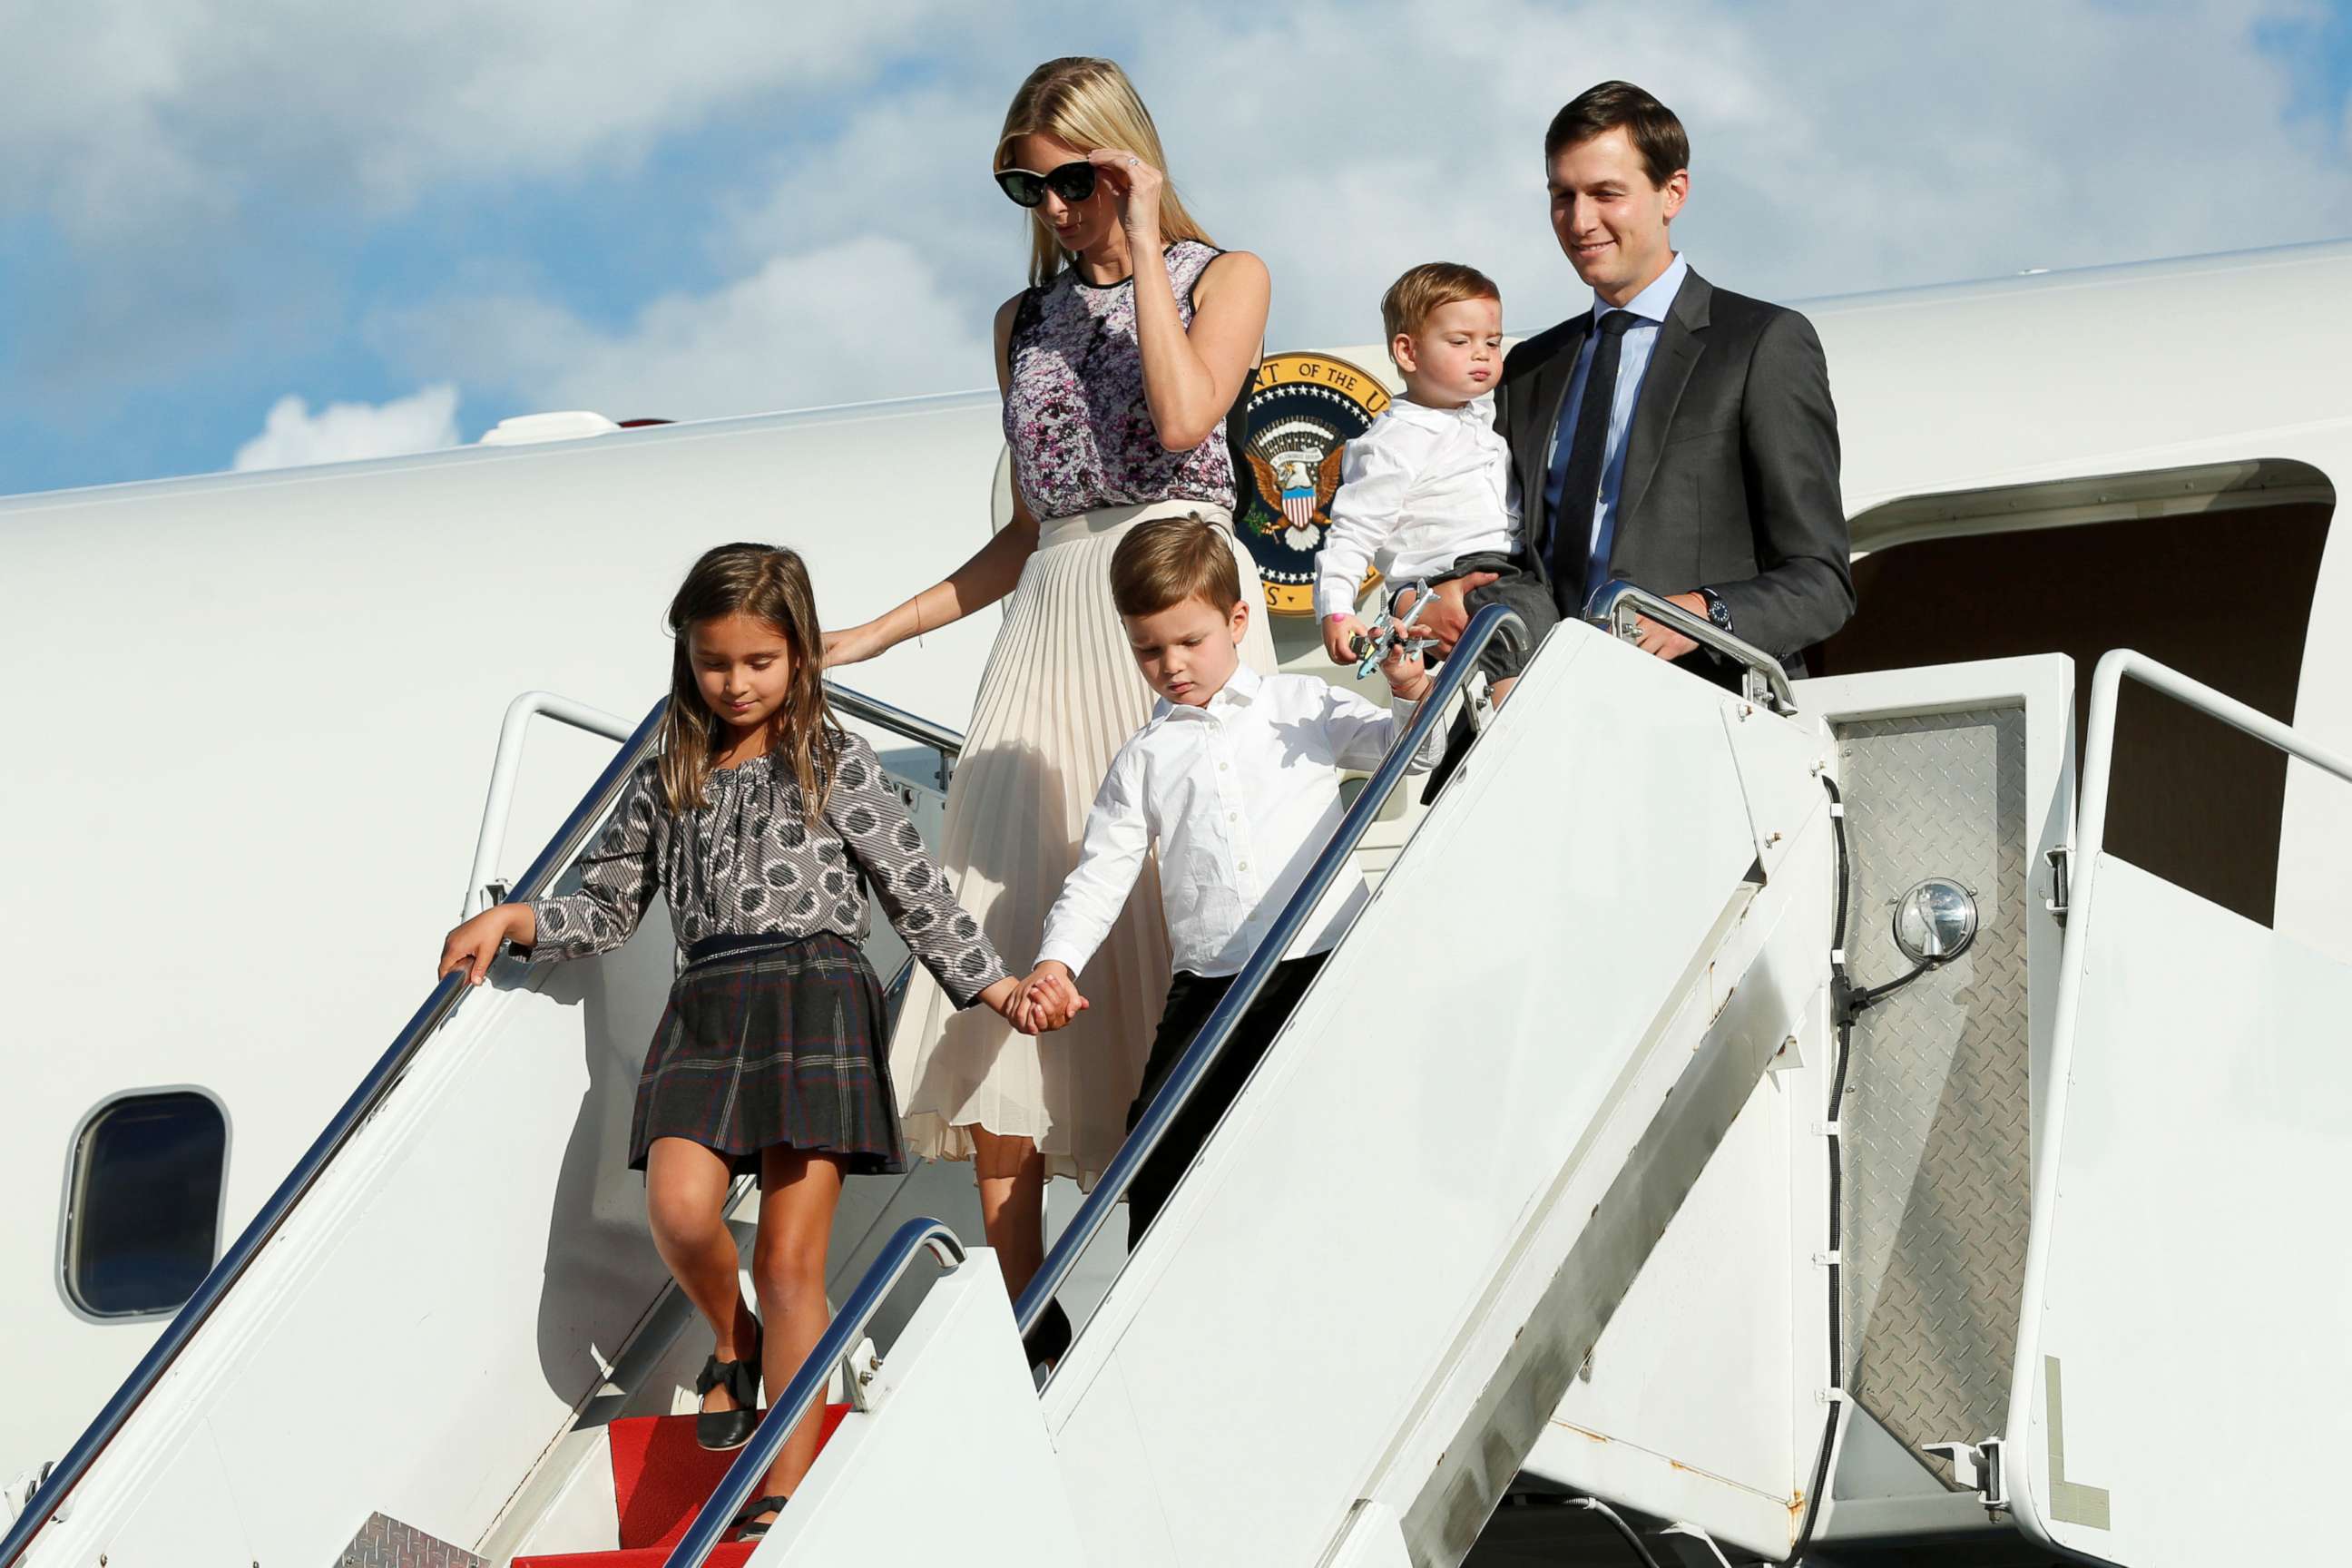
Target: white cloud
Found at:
x=137, y=116
x=292, y=437
x=1835, y=150
x=862, y=319
x=197, y=182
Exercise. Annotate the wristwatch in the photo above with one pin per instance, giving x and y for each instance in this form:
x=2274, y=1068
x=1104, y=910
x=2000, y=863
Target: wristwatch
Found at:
x=1717, y=610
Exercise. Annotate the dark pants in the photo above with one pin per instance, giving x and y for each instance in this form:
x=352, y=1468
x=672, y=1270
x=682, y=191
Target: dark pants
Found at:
x=1514, y=588
x=1191, y=999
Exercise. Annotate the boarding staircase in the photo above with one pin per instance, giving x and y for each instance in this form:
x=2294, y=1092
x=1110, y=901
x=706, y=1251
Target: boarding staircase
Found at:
x=1532, y=1041
x=1552, y=1188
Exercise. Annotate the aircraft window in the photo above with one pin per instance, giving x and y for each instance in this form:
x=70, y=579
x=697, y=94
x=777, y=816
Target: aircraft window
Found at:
x=143, y=1215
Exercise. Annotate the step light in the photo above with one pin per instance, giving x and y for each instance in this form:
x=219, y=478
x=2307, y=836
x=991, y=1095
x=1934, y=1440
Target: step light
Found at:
x=1935, y=920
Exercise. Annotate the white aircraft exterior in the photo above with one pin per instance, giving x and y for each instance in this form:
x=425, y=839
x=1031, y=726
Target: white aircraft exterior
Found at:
x=255, y=718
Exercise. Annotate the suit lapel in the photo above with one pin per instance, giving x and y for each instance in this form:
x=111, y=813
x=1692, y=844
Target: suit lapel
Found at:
x=1680, y=344
x=1544, y=401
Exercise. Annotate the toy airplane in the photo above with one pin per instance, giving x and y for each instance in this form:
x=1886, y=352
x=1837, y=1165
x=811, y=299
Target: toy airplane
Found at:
x=1372, y=649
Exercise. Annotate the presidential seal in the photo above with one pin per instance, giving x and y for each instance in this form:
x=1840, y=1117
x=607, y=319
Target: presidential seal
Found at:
x=1302, y=411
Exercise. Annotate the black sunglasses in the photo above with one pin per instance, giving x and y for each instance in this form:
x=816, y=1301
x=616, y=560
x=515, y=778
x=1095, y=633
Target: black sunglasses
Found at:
x=1071, y=182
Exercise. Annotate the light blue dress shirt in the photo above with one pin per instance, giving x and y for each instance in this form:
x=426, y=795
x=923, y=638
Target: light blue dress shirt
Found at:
x=1649, y=307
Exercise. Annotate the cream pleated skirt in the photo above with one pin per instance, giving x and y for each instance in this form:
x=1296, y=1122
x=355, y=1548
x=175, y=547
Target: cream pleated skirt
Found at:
x=1061, y=694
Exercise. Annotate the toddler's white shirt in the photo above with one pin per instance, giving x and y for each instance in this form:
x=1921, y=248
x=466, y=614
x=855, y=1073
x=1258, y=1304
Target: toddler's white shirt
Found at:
x=1241, y=795
x=1418, y=490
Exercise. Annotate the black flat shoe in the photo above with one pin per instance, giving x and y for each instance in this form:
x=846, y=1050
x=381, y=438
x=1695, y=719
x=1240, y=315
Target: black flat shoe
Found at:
x=745, y=1528
x=1047, y=1342
x=720, y=1430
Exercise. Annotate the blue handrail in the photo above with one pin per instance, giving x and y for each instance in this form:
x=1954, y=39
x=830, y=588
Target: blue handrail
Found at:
x=784, y=1412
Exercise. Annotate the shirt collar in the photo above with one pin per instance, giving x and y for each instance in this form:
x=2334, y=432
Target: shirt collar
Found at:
x=1652, y=304
x=1240, y=688
x=1477, y=411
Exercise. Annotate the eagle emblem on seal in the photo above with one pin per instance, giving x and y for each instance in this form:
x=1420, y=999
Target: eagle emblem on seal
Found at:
x=1301, y=412
x=1298, y=461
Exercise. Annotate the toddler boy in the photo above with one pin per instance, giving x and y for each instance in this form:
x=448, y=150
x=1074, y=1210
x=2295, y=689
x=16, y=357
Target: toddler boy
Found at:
x=1426, y=491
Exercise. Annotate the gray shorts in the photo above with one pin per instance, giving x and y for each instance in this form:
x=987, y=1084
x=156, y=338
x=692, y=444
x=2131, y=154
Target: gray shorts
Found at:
x=1515, y=588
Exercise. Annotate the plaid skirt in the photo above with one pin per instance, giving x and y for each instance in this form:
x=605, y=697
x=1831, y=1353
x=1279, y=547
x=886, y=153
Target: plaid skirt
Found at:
x=769, y=1041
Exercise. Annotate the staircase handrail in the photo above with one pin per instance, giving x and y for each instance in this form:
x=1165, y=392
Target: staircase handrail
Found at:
x=364, y=1103
x=2099, y=736
x=948, y=742
x=560, y=851
x=480, y=889
x=1223, y=1023
x=784, y=1411
x=1616, y=605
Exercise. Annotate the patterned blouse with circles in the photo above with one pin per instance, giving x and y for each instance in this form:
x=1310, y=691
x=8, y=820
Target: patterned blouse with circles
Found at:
x=746, y=864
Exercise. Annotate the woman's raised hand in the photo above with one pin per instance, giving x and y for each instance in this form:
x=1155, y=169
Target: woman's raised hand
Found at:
x=1134, y=183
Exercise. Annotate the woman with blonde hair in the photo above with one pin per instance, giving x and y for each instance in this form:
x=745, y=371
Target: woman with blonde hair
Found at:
x=1119, y=366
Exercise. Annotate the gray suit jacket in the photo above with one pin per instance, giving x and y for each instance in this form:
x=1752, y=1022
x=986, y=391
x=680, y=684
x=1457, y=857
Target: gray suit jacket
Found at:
x=1732, y=466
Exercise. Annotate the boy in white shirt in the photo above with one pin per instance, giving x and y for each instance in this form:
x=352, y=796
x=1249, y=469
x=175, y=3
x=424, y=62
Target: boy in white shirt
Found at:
x=1236, y=779
x=1426, y=492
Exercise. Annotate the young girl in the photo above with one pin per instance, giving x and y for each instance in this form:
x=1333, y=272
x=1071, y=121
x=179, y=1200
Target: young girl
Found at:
x=755, y=821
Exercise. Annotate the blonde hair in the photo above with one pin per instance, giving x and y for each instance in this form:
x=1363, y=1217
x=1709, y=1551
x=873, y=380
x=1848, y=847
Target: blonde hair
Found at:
x=1089, y=103
x=1169, y=560
x=769, y=585
x=1424, y=291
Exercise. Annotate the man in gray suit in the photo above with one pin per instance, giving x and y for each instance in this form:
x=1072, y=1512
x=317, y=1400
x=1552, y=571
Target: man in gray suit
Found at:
x=1677, y=436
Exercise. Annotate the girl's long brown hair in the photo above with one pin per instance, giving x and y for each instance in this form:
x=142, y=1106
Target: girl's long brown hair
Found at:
x=770, y=584
x=1089, y=103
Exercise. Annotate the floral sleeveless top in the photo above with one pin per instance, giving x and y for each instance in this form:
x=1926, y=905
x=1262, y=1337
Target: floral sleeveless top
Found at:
x=1074, y=415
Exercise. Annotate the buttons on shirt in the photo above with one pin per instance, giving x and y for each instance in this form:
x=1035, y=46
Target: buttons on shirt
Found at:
x=1250, y=783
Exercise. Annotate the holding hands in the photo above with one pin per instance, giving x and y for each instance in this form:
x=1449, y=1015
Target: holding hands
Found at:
x=1003, y=998
x=1047, y=1000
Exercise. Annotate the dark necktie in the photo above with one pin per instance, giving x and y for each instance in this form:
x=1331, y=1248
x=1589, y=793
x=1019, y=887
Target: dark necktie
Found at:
x=1573, y=485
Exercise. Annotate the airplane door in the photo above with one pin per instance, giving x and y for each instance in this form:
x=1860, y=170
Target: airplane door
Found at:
x=1964, y=773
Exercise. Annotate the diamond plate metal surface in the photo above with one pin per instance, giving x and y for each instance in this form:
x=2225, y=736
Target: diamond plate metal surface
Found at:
x=384, y=1542
x=1936, y=1117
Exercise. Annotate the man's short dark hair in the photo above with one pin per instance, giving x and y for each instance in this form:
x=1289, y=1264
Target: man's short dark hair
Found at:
x=1656, y=134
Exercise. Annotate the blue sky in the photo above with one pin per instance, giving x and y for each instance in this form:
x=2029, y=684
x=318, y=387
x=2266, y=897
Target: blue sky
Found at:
x=220, y=223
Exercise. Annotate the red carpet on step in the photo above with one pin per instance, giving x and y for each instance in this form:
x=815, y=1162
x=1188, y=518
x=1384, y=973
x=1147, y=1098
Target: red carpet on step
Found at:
x=661, y=1478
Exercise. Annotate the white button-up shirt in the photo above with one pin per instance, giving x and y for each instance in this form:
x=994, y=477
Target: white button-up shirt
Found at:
x=1240, y=796
x=1418, y=490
